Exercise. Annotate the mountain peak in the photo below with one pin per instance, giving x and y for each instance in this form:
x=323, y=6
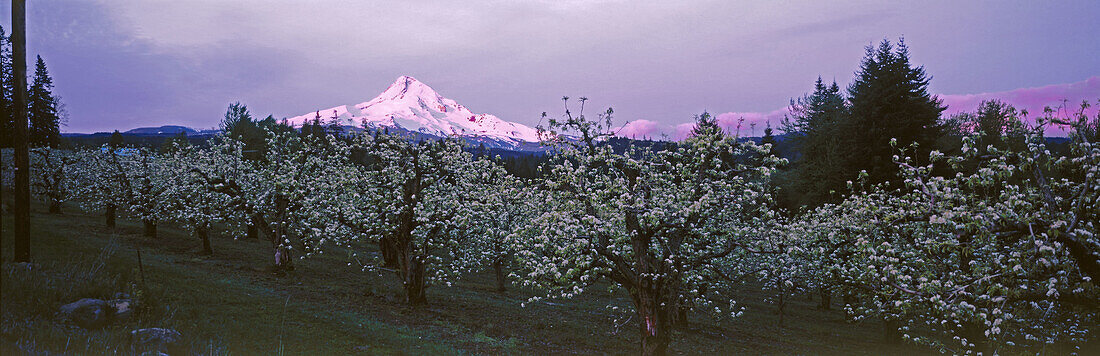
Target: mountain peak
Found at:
x=411, y=105
x=409, y=86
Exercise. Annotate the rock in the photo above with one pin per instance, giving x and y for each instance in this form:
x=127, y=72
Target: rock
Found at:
x=155, y=340
x=123, y=309
x=88, y=313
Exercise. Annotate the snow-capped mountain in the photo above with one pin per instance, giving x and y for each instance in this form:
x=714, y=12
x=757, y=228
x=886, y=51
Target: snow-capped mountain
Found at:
x=409, y=104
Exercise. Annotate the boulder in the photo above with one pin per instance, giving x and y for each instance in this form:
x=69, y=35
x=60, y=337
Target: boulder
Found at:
x=154, y=340
x=88, y=313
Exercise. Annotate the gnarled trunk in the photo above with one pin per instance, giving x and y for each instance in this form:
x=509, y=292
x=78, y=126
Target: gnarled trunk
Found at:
x=498, y=270
x=415, y=283
x=55, y=207
x=654, y=321
x=203, y=232
x=826, y=298
x=254, y=227
x=109, y=215
x=150, y=228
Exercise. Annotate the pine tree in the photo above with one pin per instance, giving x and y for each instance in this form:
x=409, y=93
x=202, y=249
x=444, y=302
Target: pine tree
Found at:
x=45, y=123
x=890, y=100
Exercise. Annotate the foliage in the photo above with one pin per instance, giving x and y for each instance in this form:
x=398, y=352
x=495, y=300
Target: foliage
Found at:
x=50, y=170
x=414, y=200
x=1000, y=256
x=668, y=227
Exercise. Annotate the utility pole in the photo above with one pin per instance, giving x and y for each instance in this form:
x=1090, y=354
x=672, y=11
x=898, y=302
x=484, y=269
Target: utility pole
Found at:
x=22, y=208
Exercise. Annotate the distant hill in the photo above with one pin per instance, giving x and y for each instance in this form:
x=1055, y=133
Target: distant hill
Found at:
x=163, y=130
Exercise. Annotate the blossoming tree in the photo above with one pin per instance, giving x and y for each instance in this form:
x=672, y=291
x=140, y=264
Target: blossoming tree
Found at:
x=660, y=225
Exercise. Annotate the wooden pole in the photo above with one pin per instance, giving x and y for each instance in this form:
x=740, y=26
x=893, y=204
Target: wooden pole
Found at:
x=22, y=208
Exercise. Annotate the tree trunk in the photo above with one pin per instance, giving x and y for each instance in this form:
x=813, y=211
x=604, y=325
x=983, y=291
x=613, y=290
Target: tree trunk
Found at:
x=681, y=316
x=849, y=303
x=653, y=321
x=282, y=259
x=826, y=298
x=109, y=216
x=782, y=304
x=964, y=253
x=203, y=232
x=890, y=333
x=253, y=227
x=498, y=269
x=150, y=228
x=55, y=207
x=414, y=283
x=21, y=154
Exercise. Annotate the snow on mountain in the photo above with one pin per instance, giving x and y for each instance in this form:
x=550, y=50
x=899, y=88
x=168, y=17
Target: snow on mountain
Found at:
x=412, y=105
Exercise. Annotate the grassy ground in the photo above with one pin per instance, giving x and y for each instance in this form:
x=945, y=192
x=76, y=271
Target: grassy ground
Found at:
x=231, y=303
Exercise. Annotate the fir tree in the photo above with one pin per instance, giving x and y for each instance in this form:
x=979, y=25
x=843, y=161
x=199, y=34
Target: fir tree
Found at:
x=818, y=173
x=889, y=100
x=45, y=123
x=705, y=124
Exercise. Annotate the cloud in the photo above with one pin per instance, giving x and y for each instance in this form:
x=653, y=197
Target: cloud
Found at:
x=1034, y=100
x=641, y=129
x=735, y=123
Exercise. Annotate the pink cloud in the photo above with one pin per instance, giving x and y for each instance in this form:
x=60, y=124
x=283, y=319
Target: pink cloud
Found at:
x=1031, y=99
x=682, y=131
x=754, y=122
x=641, y=129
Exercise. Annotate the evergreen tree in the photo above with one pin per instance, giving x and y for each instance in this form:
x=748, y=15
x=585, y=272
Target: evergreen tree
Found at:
x=993, y=121
x=705, y=124
x=889, y=100
x=818, y=173
x=45, y=123
x=116, y=140
x=238, y=125
x=236, y=114
x=769, y=138
x=334, y=127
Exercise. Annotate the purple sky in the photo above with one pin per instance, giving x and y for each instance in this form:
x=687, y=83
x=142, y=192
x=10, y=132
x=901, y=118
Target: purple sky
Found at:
x=124, y=64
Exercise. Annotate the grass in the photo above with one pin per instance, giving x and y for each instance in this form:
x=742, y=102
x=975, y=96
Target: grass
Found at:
x=231, y=303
